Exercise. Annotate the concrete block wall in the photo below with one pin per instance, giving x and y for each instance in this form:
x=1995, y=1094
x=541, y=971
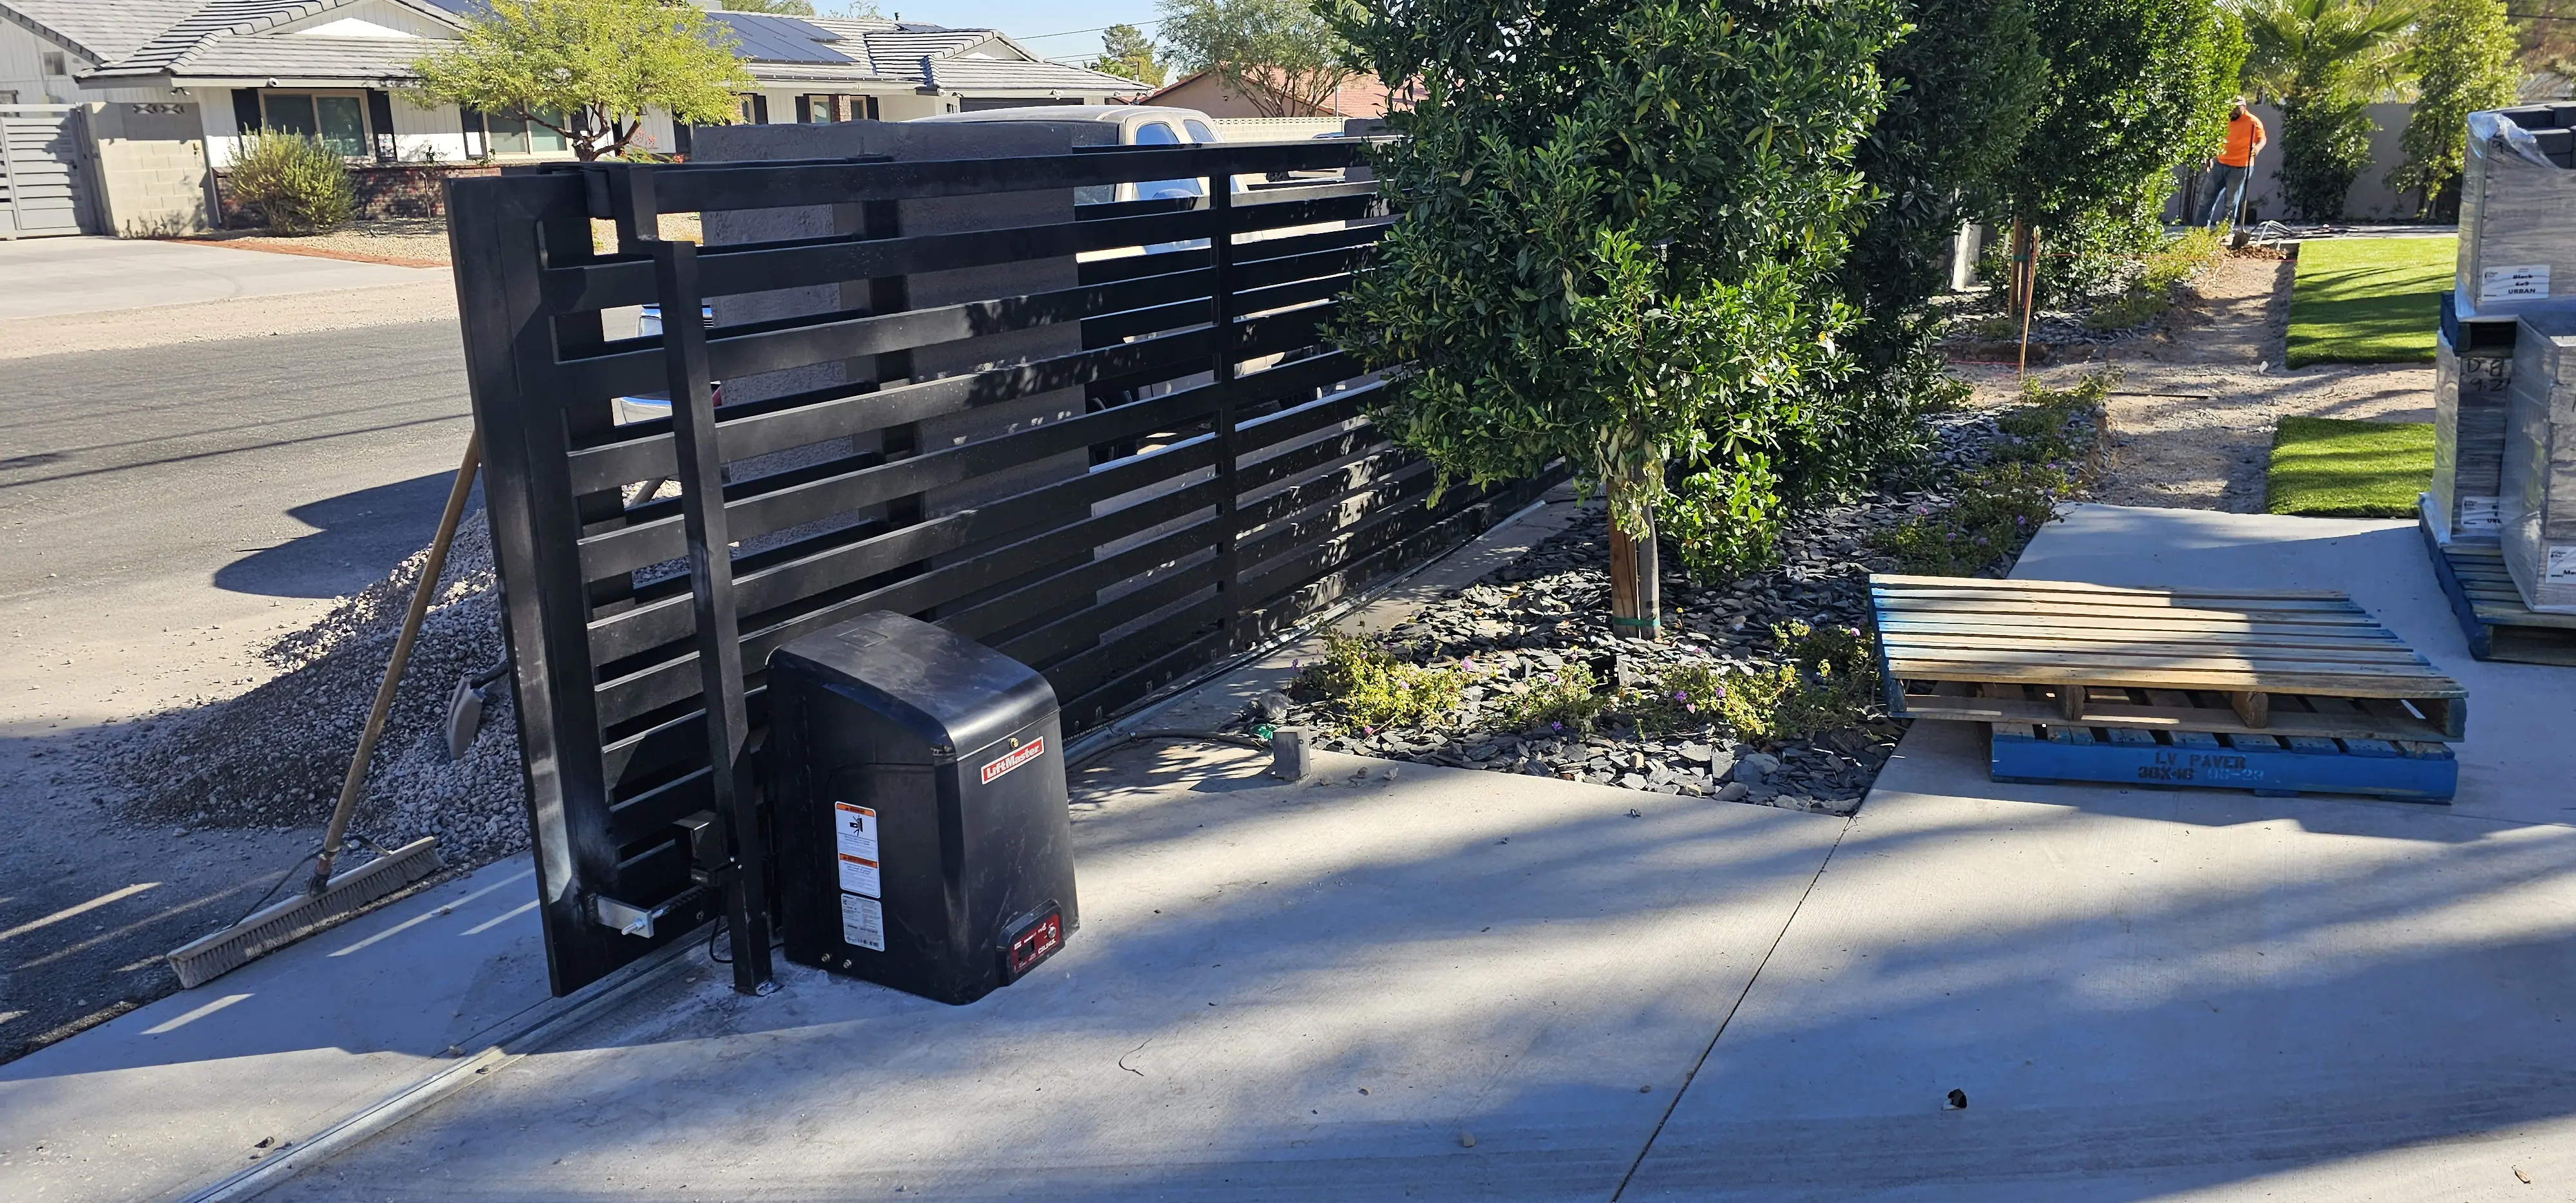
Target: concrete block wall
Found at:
x=148, y=168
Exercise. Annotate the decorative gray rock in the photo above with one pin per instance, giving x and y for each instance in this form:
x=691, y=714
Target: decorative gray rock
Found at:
x=1754, y=769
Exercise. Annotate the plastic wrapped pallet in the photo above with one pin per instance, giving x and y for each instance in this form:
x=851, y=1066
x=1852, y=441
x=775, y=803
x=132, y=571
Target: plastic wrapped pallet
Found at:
x=2540, y=463
x=2472, y=365
x=2517, y=211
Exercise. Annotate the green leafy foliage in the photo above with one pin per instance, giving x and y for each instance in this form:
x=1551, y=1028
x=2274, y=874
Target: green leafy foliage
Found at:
x=2325, y=142
x=2051, y=447
x=1126, y=52
x=1615, y=222
x=299, y=183
x=1373, y=688
x=1284, y=57
x=2161, y=274
x=1828, y=679
x=2324, y=59
x=1963, y=84
x=2463, y=61
x=1568, y=701
x=588, y=69
x=2135, y=87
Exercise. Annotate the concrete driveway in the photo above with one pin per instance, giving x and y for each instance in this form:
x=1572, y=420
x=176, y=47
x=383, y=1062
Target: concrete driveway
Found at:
x=1451, y=985
x=49, y=277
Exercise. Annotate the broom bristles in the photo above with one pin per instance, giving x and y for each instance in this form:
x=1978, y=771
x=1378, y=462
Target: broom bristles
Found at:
x=209, y=957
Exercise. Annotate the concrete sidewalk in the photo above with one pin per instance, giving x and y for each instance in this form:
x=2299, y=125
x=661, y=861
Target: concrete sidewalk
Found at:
x=2186, y=994
x=51, y=277
x=180, y=1093
x=1448, y=984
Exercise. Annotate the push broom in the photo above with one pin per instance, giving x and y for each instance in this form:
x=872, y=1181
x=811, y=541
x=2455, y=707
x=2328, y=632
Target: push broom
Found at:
x=328, y=899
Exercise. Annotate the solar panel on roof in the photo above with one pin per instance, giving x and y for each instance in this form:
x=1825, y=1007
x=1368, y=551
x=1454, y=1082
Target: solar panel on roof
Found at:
x=780, y=39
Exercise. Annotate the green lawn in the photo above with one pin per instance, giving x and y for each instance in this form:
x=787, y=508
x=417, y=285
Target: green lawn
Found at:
x=2338, y=468
x=2369, y=300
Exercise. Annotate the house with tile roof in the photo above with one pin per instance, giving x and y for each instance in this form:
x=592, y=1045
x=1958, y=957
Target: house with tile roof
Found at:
x=338, y=69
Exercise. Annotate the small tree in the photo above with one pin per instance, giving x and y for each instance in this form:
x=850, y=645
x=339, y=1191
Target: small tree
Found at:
x=2323, y=59
x=1963, y=84
x=588, y=69
x=2134, y=88
x=1279, y=55
x=2463, y=61
x=1614, y=220
x=1126, y=52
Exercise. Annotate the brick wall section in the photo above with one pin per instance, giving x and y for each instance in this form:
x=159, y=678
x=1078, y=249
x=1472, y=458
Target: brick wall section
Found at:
x=396, y=190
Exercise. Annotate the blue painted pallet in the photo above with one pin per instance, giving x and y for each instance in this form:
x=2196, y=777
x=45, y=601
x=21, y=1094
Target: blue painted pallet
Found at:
x=2273, y=766
x=2489, y=606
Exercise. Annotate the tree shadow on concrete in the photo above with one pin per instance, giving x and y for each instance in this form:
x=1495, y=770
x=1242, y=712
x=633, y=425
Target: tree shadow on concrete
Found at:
x=2323, y=987
x=358, y=538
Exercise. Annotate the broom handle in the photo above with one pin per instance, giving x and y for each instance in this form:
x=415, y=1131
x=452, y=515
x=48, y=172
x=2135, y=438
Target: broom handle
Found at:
x=428, y=588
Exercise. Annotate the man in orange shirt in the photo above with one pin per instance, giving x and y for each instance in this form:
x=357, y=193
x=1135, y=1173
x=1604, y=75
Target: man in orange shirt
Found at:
x=2227, y=172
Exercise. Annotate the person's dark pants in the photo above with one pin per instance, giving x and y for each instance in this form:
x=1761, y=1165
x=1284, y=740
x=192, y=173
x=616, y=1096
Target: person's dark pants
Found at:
x=2226, y=188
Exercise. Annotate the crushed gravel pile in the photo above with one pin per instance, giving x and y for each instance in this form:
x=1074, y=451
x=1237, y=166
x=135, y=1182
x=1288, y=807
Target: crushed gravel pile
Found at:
x=274, y=756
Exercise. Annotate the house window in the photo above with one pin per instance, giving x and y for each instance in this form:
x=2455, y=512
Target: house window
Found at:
x=339, y=119
x=512, y=136
x=51, y=63
x=825, y=110
x=488, y=134
x=752, y=109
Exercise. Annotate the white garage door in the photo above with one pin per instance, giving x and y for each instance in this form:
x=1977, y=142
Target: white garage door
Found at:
x=41, y=175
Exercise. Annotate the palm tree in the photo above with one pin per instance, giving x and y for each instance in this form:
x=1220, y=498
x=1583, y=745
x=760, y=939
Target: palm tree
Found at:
x=2324, y=60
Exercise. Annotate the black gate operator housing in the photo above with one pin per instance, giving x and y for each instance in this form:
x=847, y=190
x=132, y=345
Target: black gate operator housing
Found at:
x=923, y=840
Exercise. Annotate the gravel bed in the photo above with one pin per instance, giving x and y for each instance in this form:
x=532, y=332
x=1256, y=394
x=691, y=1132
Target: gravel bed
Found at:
x=1550, y=608
x=275, y=756
x=412, y=240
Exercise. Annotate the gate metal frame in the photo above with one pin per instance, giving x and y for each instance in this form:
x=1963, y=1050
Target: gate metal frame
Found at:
x=1227, y=510
x=16, y=168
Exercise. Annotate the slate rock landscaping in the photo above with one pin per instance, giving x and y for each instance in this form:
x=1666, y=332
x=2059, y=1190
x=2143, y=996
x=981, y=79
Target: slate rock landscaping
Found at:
x=1764, y=688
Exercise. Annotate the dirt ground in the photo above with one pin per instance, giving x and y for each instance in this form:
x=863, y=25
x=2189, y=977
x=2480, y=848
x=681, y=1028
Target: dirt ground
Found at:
x=229, y=319
x=2193, y=414
x=408, y=241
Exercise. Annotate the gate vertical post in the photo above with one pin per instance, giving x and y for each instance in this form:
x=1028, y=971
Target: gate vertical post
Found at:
x=701, y=464
x=1229, y=569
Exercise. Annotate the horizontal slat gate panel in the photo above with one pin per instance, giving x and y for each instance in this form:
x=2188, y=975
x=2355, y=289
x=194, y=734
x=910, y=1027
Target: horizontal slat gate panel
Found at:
x=1119, y=543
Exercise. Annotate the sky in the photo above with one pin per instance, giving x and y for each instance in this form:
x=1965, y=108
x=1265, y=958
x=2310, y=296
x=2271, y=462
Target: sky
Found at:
x=1025, y=20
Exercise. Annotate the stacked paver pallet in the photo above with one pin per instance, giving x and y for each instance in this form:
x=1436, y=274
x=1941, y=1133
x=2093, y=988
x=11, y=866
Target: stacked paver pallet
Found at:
x=2540, y=462
x=2517, y=211
x=2502, y=506
x=2472, y=367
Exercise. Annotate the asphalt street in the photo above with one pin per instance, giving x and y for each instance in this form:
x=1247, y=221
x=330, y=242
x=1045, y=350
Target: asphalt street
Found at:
x=161, y=511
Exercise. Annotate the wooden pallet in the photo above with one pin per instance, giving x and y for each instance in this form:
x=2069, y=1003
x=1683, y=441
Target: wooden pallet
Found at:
x=2185, y=760
x=2270, y=765
x=2305, y=664
x=2489, y=606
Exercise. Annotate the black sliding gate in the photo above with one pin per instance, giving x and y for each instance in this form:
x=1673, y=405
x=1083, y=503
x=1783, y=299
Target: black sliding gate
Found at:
x=1204, y=476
